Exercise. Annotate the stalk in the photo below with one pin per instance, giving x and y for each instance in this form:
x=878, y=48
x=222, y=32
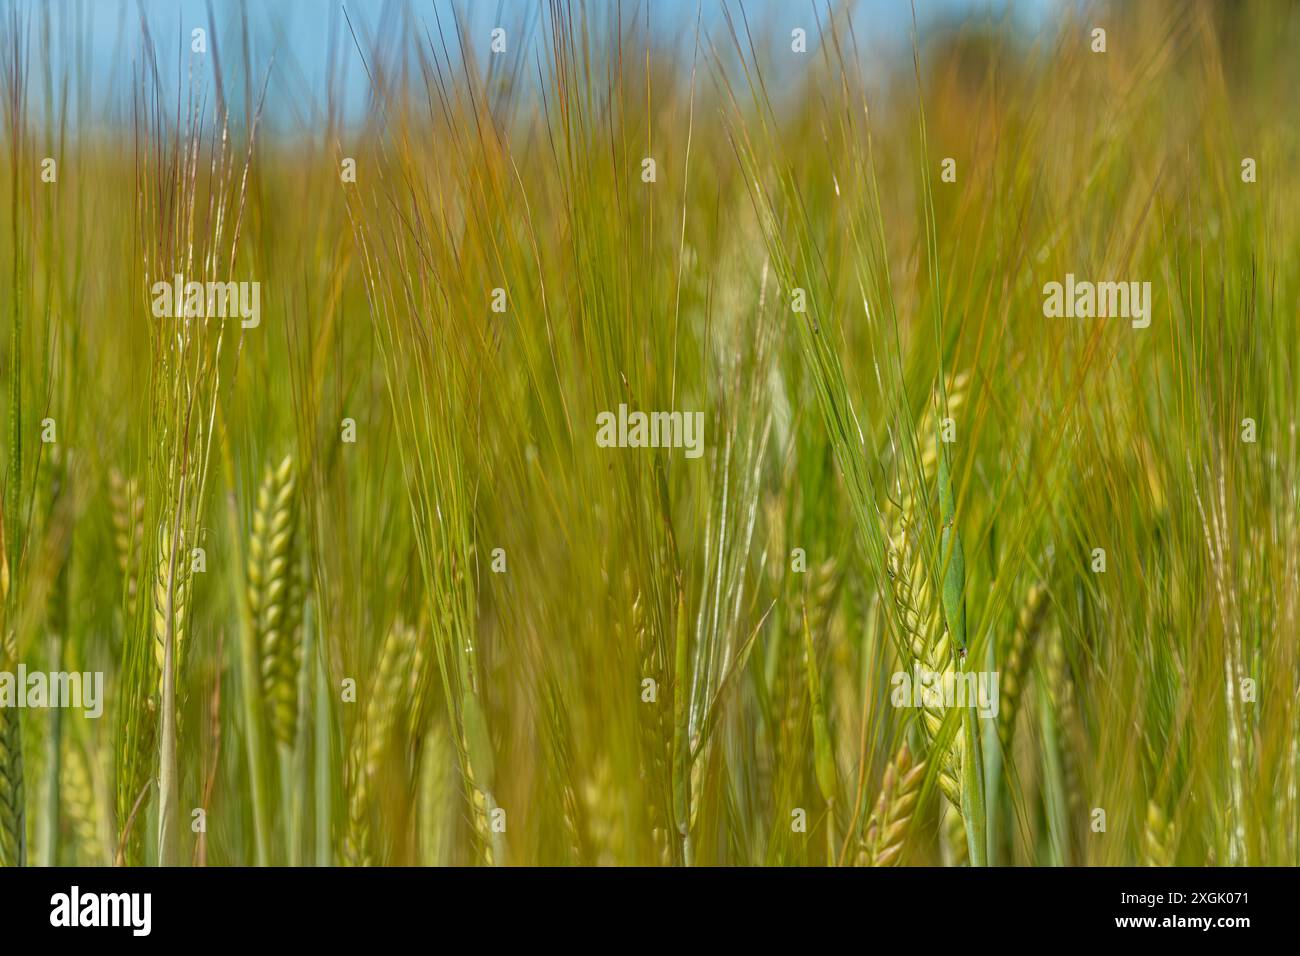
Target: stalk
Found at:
x=482, y=766
x=1053, y=782
x=13, y=820
x=953, y=564
x=992, y=775
x=168, y=782
x=49, y=842
x=249, y=675
x=301, y=780
x=681, y=735
x=322, y=760
x=824, y=756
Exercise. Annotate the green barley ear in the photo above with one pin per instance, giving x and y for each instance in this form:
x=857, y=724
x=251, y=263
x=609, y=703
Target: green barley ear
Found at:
x=13, y=823
x=380, y=718
x=890, y=823
x=81, y=807
x=127, y=506
x=171, y=584
x=931, y=648
x=273, y=597
x=1158, y=841
x=438, y=798
x=1060, y=692
x=920, y=613
x=937, y=658
x=1015, y=670
x=952, y=561
x=952, y=831
x=601, y=807
x=386, y=720
x=823, y=586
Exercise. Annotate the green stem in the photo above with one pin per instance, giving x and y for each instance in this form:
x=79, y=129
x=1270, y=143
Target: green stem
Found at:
x=324, y=792
x=53, y=755
x=972, y=788
x=168, y=781
x=296, y=770
x=288, y=802
x=1053, y=784
x=249, y=677
x=681, y=737
x=992, y=776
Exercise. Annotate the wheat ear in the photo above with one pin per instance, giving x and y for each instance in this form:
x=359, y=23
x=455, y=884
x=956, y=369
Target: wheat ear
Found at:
x=1019, y=653
x=1158, y=841
x=13, y=823
x=379, y=719
x=887, y=830
x=127, y=506
x=272, y=597
x=81, y=806
x=171, y=589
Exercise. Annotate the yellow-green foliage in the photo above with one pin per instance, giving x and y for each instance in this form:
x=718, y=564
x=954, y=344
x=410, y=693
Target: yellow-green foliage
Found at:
x=418, y=614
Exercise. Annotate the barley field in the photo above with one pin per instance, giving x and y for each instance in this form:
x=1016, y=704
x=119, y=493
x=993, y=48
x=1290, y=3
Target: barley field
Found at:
x=643, y=434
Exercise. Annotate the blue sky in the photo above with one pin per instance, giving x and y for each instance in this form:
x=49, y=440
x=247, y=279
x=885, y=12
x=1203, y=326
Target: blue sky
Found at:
x=298, y=35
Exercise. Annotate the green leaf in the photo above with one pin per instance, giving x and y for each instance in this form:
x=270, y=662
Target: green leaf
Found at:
x=477, y=741
x=823, y=752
